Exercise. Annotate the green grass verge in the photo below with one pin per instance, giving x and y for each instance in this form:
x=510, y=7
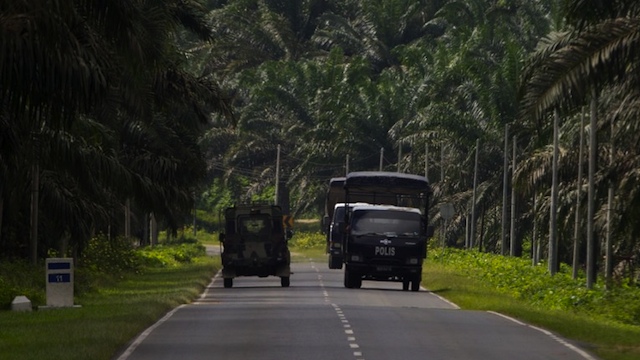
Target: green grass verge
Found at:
x=607, y=339
x=108, y=318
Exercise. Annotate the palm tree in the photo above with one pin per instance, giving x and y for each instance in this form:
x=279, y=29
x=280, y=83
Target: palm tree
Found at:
x=594, y=59
x=74, y=75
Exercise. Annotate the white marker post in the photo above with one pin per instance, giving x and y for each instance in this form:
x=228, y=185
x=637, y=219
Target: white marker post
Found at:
x=59, y=277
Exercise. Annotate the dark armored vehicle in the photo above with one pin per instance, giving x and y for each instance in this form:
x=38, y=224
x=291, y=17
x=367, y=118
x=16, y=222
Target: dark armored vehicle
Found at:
x=254, y=243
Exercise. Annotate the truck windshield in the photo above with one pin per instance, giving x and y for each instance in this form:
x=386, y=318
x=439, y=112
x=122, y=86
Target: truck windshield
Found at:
x=385, y=222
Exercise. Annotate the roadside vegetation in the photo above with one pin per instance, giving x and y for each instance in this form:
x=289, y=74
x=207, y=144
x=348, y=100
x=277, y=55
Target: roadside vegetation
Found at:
x=121, y=291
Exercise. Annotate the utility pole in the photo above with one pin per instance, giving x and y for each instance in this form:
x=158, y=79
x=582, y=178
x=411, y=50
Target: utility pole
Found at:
x=399, y=156
x=426, y=161
x=442, y=162
x=381, y=157
x=473, y=201
x=277, y=176
x=505, y=186
x=347, y=165
x=576, y=228
x=553, y=221
x=593, y=153
x=515, y=246
x=535, y=242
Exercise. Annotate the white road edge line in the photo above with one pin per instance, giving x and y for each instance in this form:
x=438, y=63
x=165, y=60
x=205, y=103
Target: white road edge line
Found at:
x=555, y=337
x=146, y=333
x=441, y=298
x=206, y=290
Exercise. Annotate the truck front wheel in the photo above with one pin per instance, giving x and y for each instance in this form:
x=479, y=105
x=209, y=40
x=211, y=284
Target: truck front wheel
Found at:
x=228, y=282
x=405, y=284
x=284, y=281
x=415, y=283
x=351, y=280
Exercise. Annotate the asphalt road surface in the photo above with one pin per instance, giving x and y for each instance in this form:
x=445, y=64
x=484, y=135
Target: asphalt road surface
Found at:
x=317, y=318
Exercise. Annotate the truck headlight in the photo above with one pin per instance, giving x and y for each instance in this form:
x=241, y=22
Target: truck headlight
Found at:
x=356, y=258
x=336, y=245
x=412, y=261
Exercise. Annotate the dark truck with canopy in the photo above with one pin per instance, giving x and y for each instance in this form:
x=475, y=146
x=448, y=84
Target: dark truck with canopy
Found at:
x=387, y=239
x=254, y=243
x=334, y=217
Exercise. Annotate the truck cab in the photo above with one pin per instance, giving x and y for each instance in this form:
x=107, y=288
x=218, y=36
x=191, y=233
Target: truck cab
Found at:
x=254, y=243
x=385, y=243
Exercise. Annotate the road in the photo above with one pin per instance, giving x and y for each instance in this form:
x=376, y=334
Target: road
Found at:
x=317, y=318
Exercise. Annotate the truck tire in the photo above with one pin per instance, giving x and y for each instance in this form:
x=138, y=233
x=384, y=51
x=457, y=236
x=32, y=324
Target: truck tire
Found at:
x=284, y=281
x=347, y=279
x=405, y=284
x=351, y=279
x=228, y=282
x=357, y=282
x=335, y=262
x=415, y=283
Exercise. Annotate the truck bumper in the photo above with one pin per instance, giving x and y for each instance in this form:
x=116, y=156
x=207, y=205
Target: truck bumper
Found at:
x=383, y=272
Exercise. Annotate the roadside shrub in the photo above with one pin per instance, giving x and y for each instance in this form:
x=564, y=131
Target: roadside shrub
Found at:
x=116, y=255
x=308, y=240
x=517, y=277
x=21, y=278
x=170, y=255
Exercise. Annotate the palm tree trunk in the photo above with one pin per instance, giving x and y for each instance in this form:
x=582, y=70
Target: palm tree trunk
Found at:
x=1, y=213
x=127, y=219
x=609, y=245
x=35, y=195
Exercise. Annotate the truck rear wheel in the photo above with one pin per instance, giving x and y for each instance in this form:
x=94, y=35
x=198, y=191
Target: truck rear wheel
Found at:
x=228, y=282
x=284, y=281
x=335, y=262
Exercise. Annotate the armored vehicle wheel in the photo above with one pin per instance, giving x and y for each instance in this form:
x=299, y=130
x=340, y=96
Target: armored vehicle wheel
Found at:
x=228, y=282
x=284, y=281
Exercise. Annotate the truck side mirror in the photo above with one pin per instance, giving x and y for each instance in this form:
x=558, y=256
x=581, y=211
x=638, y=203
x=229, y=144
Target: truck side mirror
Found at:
x=325, y=224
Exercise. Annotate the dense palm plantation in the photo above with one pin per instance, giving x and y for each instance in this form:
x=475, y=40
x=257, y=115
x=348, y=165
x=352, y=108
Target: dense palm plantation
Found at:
x=334, y=82
x=119, y=104
x=98, y=117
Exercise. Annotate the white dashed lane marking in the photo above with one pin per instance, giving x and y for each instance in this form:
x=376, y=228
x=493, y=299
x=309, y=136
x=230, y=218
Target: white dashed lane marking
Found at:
x=351, y=339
